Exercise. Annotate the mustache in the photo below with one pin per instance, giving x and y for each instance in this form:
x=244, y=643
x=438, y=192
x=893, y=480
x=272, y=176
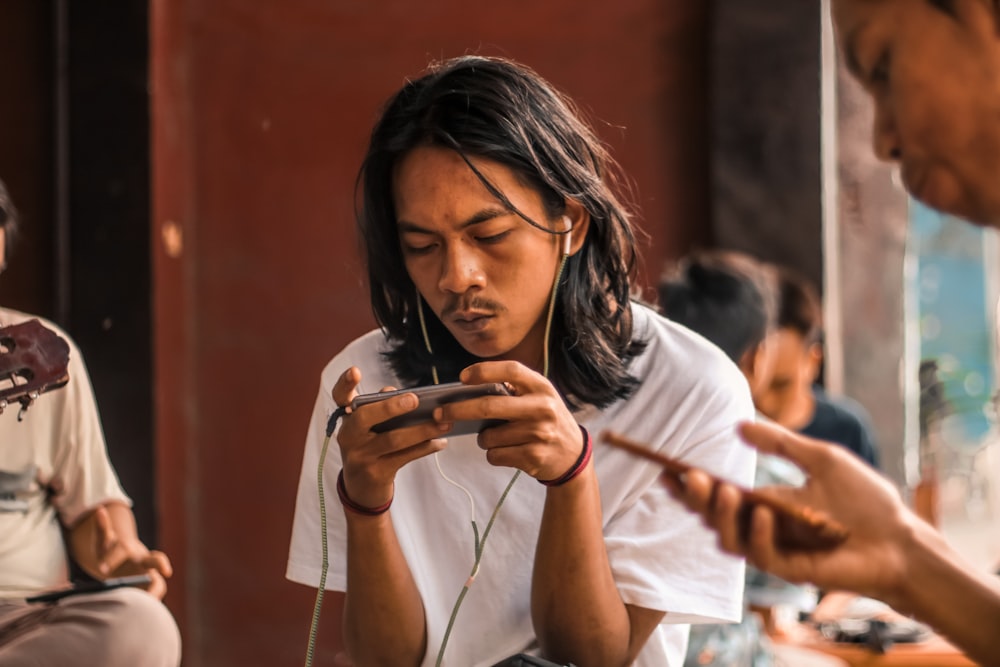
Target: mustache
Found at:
x=480, y=304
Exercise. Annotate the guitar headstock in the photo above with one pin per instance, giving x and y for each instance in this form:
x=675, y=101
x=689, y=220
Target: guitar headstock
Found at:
x=33, y=360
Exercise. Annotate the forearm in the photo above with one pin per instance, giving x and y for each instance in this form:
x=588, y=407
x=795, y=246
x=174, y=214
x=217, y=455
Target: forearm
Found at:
x=961, y=603
x=577, y=611
x=384, y=621
x=85, y=541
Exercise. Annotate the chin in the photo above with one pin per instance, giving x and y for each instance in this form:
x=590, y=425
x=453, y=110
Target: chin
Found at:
x=481, y=346
x=979, y=213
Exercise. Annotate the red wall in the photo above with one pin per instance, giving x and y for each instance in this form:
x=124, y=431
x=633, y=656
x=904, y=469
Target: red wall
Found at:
x=260, y=115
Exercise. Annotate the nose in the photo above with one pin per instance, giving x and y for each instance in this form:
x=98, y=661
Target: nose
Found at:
x=460, y=269
x=885, y=135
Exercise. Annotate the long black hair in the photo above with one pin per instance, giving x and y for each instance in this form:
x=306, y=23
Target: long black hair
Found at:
x=497, y=109
x=8, y=222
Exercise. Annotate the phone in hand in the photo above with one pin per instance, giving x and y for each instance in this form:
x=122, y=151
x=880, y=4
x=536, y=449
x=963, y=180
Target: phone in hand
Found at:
x=431, y=397
x=796, y=527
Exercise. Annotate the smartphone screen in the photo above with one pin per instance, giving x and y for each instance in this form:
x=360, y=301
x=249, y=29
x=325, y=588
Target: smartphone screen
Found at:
x=430, y=397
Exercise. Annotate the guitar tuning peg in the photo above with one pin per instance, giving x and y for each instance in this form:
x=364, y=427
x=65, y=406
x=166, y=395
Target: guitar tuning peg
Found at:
x=26, y=402
x=3, y=404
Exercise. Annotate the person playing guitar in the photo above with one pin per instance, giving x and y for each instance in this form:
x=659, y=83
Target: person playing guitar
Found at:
x=59, y=499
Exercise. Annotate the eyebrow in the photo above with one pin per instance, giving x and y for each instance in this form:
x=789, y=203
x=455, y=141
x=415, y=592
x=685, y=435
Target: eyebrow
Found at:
x=475, y=219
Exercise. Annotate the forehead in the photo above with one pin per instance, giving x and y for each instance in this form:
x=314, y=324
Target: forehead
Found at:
x=432, y=179
x=849, y=15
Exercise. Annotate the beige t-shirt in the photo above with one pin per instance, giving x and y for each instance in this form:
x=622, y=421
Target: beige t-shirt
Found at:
x=53, y=467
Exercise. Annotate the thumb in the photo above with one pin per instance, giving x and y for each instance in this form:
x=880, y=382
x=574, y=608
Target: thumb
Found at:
x=105, y=528
x=770, y=438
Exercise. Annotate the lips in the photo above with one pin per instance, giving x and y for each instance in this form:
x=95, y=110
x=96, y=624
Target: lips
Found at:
x=470, y=321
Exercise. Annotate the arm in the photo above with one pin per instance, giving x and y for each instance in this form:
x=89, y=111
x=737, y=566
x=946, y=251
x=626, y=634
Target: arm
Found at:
x=384, y=620
x=890, y=553
x=577, y=610
x=105, y=544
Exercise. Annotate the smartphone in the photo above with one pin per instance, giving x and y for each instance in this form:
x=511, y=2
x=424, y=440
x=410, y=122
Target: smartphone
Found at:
x=431, y=397
x=81, y=587
x=796, y=527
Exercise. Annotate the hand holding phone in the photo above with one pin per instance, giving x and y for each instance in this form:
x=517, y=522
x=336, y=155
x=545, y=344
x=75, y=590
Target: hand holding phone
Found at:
x=431, y=397
x=797, y=528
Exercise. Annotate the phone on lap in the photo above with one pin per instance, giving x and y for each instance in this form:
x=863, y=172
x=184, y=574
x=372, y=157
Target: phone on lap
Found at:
x=82, y=587
x=430, y=398
x=797, y=528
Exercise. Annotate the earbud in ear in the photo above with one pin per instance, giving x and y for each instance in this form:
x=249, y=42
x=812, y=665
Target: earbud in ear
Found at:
x=567, y=235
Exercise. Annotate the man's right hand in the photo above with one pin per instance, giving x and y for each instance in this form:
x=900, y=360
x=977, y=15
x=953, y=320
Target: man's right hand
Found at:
x=872, y=561
x=371, y=459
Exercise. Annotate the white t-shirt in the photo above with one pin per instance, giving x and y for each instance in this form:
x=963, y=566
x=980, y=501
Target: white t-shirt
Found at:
x=58, y=444
x=688, y=403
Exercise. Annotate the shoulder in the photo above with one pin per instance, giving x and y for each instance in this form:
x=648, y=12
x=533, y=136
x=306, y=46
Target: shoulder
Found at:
x=686, y=384
x=367, y=353
x=841, y=409
x=676, y=352
x=9, y=317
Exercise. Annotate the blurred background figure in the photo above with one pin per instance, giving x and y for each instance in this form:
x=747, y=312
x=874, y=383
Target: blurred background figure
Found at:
x=62, y=507
x=730, y=298
x=794, y=396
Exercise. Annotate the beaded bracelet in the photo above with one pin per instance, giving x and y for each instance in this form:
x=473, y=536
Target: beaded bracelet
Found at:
x=576, y=468
x=353, y=506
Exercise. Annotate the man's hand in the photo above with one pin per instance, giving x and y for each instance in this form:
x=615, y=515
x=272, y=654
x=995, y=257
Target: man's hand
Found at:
x=105, y=544
x=371, y=459
x=540, y=437
x=872, y=559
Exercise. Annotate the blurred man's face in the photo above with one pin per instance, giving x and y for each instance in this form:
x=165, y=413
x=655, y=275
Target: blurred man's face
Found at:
x=787, y=396
x=932, y=68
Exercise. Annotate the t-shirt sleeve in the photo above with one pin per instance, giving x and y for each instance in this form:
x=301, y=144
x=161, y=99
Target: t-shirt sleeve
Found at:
x=305, y=556
x=305, y=552
x=661, y=555
x=82, y=473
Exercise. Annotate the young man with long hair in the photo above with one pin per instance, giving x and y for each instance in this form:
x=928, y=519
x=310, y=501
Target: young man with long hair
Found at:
x=498, y=251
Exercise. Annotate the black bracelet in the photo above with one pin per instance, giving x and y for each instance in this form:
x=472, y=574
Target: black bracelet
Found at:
x=576, y=468
x=353, y=506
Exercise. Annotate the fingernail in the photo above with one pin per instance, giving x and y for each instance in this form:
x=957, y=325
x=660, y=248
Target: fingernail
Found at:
x=408, y=401
x=444, y=427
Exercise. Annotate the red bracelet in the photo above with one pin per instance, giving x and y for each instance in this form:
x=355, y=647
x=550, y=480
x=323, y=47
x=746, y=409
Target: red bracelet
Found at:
x=353, y=506
x=576, y=468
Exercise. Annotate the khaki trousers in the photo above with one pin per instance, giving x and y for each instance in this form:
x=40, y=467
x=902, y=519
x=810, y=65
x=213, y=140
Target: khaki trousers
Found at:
x=120, y=628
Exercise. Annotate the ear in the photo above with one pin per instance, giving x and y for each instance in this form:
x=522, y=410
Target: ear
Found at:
x=748, y=362
x=579, y=219
x=815, y=359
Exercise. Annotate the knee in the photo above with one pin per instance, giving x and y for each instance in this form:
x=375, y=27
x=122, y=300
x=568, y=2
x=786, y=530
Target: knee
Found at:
x=140, y=631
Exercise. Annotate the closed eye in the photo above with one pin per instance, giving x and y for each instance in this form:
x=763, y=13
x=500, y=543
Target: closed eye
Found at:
x=410, y=249
x=494, y=238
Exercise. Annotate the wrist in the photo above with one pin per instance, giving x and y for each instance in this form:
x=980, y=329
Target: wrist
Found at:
x=578, y=466
x=355, y=507
x=919, y=553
